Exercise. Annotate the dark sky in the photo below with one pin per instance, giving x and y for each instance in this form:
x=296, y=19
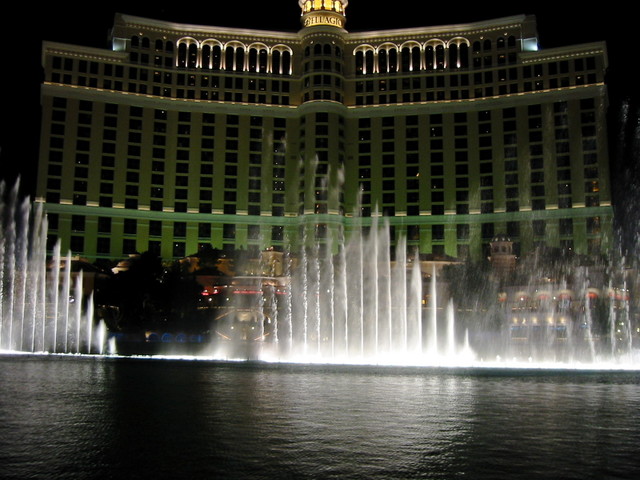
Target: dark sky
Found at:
x=88, y=24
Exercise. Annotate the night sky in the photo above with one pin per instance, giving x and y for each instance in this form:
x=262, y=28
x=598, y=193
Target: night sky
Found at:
x=88, y=24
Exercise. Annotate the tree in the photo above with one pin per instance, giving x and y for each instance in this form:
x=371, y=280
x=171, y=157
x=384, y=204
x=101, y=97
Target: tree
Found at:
x=137, y=292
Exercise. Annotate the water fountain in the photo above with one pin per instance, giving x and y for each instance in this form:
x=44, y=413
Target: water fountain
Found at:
x=357, y=304
x=349, y=303
x=354, y=304
x=41, y=309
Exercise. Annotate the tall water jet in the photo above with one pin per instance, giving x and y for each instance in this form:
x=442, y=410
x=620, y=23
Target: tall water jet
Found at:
x=40, y=311
x=353, y=302
x=433, y=323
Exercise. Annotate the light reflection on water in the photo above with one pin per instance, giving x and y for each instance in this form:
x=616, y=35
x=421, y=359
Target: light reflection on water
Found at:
x=123, y=418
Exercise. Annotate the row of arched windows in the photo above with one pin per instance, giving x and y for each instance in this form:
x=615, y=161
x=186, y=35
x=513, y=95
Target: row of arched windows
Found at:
x=145, y=43
x=486, y=44
x=434, y=54
x=412, y=56
x=233, y=56
x=323, y=49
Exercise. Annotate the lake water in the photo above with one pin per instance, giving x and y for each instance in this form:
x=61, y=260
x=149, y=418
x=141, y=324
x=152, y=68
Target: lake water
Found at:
x=102, y=418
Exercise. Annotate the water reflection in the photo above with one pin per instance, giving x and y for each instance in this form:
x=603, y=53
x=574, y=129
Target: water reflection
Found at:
x=124, y=418
x=374, y=425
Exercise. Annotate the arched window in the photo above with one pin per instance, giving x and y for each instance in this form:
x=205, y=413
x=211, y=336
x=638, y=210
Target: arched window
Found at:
x=359, y=62
x=393, y=60
x=206, y=56
x=429, y=57
x=410, y=57
x=216, y=57
x=276, y=64
x=476, y=47
x=387, y=58
x=463, y=55
x=500, y=43
x=458, y=53
x=263, y=58
x=511, y=41
x=234, y=57
x=168, y=46
x=382, y=62
x=281, y=60
x=405, y=59
x=145, y=42
x=211, y=54
x=440, y=57
x=258, y=58
x=453, y=56
x=415, y=58
x=192, y=59
x=435, y=55
x=486, y=46
x=368, y=61
x=286, y=63
x=327, y=49
x=229, y=55
x=135, y=41
x=239, y=67
x=182, y=55
x=187, y=53
x=253, y=60
x=317, y=49
x=364, y=59
x=159, y=46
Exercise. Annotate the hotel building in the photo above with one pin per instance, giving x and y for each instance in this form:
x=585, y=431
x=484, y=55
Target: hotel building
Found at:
x=187, y=135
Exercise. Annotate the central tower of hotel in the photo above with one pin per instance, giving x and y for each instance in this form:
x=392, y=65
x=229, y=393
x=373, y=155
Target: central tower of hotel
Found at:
x=183, y=136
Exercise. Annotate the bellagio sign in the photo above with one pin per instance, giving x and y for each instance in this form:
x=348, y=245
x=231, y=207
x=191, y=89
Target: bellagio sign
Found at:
x=323, y=19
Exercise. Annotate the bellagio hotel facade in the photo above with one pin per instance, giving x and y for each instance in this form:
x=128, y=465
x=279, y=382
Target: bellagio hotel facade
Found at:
x=181, y=136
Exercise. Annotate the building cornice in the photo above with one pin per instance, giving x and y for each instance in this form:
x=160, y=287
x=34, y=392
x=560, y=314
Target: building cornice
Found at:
x=565, y=52
x=181, y=29
x=92, y=53
x=153, y=101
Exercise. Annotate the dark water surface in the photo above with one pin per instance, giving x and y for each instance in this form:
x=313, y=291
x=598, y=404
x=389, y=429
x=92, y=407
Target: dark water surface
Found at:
x=73, y=418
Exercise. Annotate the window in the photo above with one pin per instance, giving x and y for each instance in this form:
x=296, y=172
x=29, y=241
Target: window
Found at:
x=77, y=244
x=103, y=246
x=77, y=223
x=179, y=249
x=566, y=226
x=155, y=228
x=229, y=231
x=130, y=226
x=104, y=224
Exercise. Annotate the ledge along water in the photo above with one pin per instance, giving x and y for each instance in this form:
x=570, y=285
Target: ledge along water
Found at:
x=356, y=306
